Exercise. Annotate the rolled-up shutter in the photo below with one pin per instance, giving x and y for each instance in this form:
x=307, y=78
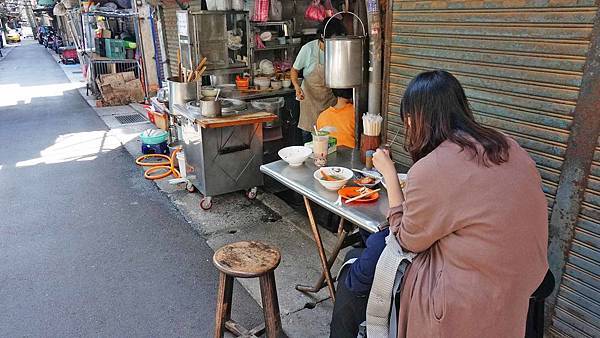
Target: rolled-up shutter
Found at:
x=520, y=63
x=170, y=29
x=577, y=309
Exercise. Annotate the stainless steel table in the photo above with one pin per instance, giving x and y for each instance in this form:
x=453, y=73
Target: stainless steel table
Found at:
x=368, y=216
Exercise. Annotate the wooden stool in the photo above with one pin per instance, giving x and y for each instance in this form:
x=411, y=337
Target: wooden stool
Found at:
x=247, y=259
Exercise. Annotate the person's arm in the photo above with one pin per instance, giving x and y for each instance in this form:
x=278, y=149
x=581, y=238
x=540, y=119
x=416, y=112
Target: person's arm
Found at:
x=297, y=87
x=422, y=219
x=360, y=277
x=384, y=164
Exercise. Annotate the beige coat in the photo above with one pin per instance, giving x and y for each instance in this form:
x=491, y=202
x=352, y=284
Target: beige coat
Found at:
x=482, y=235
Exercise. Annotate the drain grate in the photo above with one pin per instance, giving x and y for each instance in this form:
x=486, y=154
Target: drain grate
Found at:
x=132, y=118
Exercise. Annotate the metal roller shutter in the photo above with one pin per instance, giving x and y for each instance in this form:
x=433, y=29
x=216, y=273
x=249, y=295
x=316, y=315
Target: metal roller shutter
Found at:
x=577, y=310
x=520, y=63
x=170, y=29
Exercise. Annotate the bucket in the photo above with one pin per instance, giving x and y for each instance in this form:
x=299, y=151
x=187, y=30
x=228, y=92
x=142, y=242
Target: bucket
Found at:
x=181, y=92
x=344, y=59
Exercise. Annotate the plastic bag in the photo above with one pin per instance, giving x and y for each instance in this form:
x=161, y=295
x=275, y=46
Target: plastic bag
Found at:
x=261, y=10
x=315, y=11
x=276, y=10
x=329, y=9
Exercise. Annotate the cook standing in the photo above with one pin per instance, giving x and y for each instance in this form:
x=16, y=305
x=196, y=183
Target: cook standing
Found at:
x=313, y=95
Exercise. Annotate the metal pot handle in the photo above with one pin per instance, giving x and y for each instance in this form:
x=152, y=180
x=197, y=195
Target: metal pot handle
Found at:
x=341, y=13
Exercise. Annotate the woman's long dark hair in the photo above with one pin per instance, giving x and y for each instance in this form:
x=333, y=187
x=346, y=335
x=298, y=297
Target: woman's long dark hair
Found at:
x=438, y=110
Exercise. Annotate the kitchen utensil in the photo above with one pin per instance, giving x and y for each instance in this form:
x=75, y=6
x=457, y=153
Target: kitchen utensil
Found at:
x=266, y=36
x=363, y=197
x=209, y=91
x=341, y=173
x=294, y=155
x=358, y=176
x=262, y=82
x=181, y=92
x=230, y=106
x=344, y=58
x=218, y=92
x=242, y=82
x=209, y=107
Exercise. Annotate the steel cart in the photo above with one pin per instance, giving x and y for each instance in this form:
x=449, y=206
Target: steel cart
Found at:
x=223, y=154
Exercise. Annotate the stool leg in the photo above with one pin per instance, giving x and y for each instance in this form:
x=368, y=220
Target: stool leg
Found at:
x=223, y=303
x=268, y=293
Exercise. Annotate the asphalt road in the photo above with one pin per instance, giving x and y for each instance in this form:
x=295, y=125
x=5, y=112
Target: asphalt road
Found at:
x=87, y=246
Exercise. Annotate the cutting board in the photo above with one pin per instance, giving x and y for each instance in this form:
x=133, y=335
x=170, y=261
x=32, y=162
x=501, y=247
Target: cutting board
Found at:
x=236, y=120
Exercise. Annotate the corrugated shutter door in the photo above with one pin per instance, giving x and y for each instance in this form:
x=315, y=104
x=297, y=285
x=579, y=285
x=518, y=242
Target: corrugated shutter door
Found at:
x=521, y=64
x=577, y=311
x=172, y=39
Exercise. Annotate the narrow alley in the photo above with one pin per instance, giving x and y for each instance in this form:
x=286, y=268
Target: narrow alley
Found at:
x=87, y=248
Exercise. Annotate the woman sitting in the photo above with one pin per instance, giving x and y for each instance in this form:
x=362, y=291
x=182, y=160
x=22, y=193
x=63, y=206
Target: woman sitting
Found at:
x=340, y=117
x=475, y=213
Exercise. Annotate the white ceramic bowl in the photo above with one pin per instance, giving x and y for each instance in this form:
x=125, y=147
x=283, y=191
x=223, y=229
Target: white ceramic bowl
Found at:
x=209, y=91
x=295, y=155
x=275, y=84
x=262, y=82
x=344, y=174
x=287, y=83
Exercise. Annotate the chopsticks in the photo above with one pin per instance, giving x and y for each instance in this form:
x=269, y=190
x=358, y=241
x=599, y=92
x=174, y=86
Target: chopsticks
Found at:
x=197, y=73
x=362, y=195
x=372, y=124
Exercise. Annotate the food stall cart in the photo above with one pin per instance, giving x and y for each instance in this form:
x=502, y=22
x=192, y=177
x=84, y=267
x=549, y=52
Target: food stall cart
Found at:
x=368, y=216
x=223, y=154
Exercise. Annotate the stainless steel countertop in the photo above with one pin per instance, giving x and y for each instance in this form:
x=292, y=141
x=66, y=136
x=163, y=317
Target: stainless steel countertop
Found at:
x=368, y=216
x=236, y=94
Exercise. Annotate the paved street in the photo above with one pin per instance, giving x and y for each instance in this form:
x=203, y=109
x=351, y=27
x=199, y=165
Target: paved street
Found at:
x=87, y=246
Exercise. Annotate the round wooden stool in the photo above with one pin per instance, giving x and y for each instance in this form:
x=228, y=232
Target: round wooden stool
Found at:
x=247, y=259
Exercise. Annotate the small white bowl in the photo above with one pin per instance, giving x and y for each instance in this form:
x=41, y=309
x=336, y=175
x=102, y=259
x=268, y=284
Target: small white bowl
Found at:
x=276, y=84
x=295, y=155
x=344, y=174
x=287, y=83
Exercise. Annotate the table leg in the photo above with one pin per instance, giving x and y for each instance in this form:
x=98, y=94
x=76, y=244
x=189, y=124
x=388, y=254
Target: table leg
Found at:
x=320, y=249
x=341, y=237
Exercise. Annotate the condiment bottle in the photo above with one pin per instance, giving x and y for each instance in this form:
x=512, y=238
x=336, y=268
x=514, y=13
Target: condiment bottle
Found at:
x=369, y=159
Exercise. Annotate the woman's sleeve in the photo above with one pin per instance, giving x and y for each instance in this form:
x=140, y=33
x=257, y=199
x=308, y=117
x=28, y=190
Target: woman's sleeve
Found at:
x=423, y=218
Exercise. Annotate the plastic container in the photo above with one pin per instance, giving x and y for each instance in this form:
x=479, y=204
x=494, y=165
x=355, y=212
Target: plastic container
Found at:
x=160, y=137
x=115, y=49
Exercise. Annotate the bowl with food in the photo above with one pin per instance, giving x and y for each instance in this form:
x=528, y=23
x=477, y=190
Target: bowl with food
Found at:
x=333, y=178
x=365, y=179
x=295, y=155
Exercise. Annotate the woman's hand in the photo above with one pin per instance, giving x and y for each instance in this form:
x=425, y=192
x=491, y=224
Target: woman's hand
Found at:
x=383, y=163
x=296, y=83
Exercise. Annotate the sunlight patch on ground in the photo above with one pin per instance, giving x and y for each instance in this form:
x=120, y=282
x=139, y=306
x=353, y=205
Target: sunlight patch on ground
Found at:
x=84, y=146
x=13, y=94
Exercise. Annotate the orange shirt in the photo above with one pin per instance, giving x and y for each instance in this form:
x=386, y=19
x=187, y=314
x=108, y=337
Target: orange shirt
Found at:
x=343, y=121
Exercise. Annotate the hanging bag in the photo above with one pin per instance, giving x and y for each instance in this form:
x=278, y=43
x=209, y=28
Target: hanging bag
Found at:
x=315, y=11
x=276, y=10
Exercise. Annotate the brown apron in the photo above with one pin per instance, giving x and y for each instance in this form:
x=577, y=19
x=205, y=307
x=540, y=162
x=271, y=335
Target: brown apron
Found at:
x=317, y=97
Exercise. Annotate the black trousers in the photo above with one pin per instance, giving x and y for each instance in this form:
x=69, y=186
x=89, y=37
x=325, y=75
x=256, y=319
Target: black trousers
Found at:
x=350, y=309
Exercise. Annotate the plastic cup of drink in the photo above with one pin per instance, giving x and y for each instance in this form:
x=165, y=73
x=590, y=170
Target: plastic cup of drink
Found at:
x=320, y=146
